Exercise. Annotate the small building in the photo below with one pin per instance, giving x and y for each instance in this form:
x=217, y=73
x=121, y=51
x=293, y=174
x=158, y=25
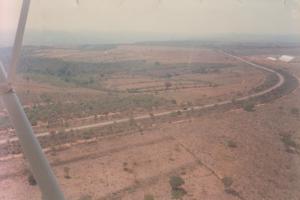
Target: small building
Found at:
x=286, y=58
x=272, y=58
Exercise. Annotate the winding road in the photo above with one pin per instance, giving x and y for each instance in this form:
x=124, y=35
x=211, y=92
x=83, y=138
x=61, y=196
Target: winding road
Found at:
x=281, y=81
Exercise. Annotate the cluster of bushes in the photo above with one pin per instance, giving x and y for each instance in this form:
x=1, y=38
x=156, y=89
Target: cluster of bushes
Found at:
x=248, y=106
x=84, y=74
x=231, y=144
x=270, y=80
x=176, y=183
x=102, y=105
x=290, y=144
x=205, y=68
x=227, y=182
x=56, y=138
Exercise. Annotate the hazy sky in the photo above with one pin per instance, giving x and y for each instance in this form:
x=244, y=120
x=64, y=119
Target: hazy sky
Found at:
x=179, y=17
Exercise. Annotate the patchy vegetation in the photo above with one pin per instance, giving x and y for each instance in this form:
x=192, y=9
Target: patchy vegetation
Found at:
x=176, y=183
x=102, y=105
x=290, y=144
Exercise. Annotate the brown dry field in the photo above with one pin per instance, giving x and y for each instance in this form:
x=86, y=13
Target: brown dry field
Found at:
x=133, y=165
x=135, y=52
x=127, y=167
x=202, y=88
x=226, y=84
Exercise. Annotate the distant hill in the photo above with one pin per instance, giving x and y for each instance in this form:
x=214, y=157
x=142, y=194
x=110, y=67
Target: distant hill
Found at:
x=65, y=38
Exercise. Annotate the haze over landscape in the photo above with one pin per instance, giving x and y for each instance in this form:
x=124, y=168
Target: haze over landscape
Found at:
x=121, y=21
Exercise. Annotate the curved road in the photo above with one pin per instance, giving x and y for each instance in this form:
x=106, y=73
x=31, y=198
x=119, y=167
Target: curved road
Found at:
x=147, y=116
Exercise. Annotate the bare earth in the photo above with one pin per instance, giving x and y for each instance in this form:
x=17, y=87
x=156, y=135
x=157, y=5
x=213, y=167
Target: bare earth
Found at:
x=246, y=148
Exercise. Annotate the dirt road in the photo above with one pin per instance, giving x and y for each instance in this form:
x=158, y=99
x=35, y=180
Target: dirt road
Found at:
x=280, y=82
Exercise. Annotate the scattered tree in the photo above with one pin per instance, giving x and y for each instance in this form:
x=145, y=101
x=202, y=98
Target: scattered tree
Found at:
x=85, y=197
x=248, y=106
x=168, y=85
x=231, y=144
x=31, y=179
x=176, y=183
x=67, y=172
x=227, y=181
x=295, y=111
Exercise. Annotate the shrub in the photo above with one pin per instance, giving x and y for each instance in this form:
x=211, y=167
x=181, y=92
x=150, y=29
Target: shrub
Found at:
x=227, y=181
x=178, y=112
x=168, y=85
x=287, y=140
x=295, y=111
x=176, y=182
x=31, y=180
x=132, y=121
x=148, y=197
x=232, y=192
x=173, y=101
x=290, y=144
x=85, y=197
x=152, y=116
x=248, y=106
x=231, y=144
x=177, y=192
x=67, y=172
x=33, y=122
